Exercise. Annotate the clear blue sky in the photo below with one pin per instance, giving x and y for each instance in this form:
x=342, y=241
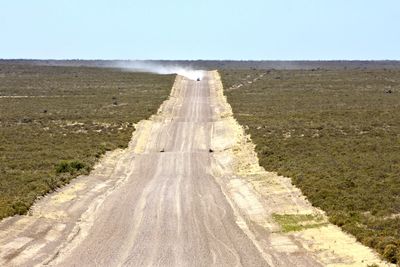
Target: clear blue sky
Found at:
x=206, y=29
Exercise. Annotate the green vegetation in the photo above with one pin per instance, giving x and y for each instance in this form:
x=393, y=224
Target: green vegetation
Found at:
x=55, y=122
x=336, y=133
x=298, y=222
x=70, y=166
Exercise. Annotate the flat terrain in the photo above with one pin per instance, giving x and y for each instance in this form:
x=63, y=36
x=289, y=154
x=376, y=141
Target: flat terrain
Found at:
x=188, y=191
x=55, y=122
x=336, y=133
x=226, y=64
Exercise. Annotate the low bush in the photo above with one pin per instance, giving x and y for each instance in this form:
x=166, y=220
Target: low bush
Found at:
x=71, y=166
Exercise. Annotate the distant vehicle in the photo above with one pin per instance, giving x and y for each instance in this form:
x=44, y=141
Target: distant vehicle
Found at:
x=198, y=79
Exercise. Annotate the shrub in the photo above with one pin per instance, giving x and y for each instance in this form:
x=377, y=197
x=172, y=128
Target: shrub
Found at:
x=390, y=253
x=20, y=207
x=70, y=166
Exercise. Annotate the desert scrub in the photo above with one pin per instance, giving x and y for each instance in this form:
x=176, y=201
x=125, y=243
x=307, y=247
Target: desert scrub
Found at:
x=336, y=133
x=56, y=122
x=70, y=166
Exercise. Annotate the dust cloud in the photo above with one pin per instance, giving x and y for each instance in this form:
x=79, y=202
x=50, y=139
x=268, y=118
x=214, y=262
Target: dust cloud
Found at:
x=161, y=69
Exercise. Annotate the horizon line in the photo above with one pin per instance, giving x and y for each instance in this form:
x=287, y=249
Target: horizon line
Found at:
x=243, y=60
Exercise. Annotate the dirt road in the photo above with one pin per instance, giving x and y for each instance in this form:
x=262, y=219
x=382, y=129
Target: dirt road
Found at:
x=178, y=196
x=171, y=211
